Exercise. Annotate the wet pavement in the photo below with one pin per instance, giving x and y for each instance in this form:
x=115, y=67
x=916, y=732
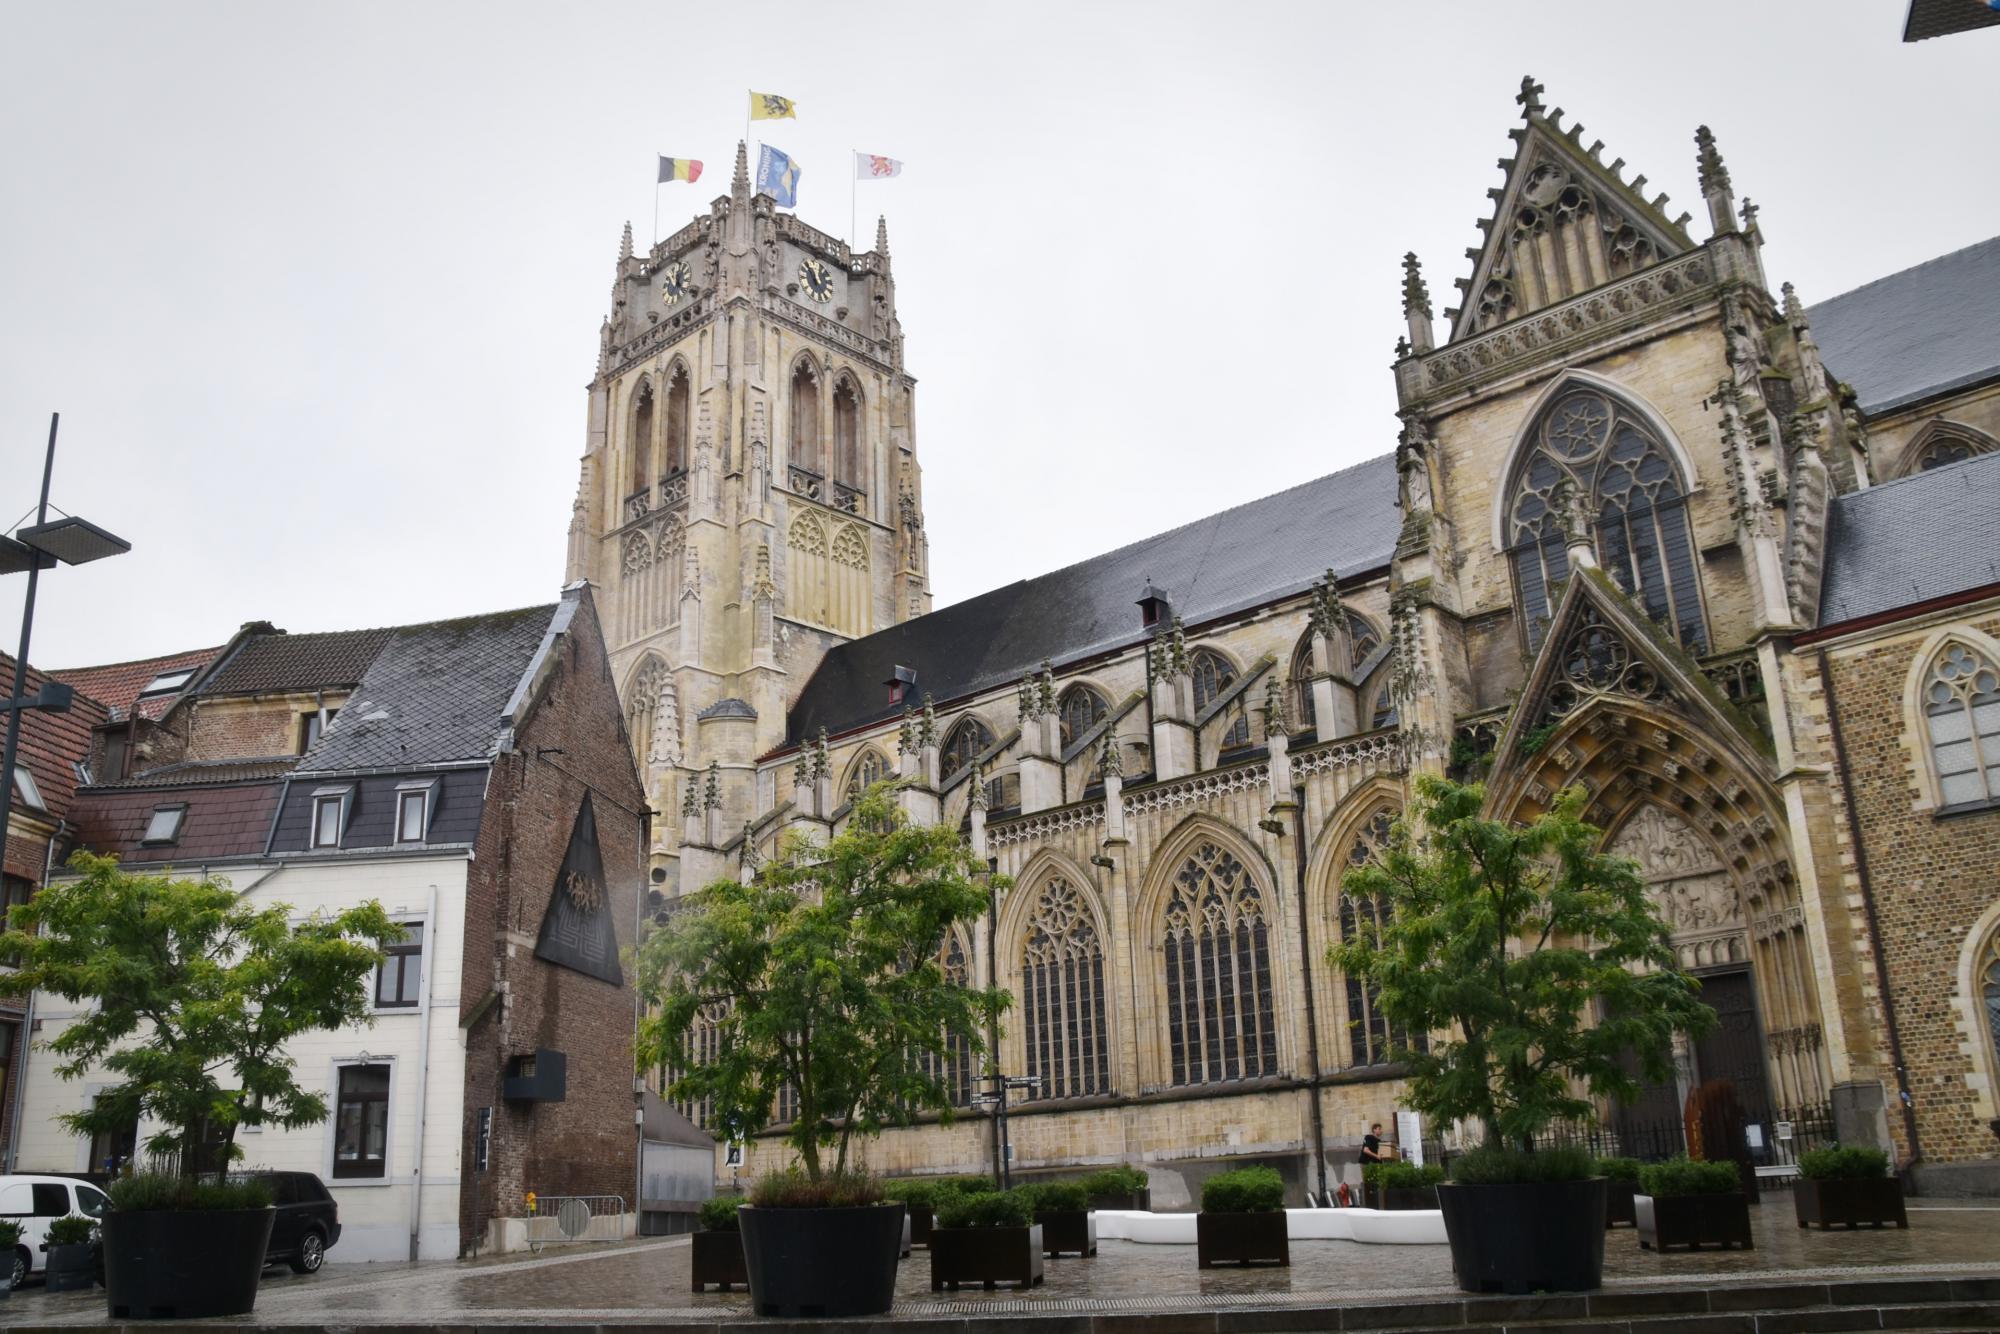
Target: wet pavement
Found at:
x=647, y=1280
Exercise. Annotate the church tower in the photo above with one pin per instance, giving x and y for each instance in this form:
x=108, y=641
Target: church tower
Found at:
x=749, y=497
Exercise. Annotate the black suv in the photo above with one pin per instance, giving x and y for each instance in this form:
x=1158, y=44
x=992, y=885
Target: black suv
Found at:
x=308, y=1220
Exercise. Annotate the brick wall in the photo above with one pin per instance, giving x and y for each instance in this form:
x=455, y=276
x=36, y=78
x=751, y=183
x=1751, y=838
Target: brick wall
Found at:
x=1933, y=878
x=571, y=744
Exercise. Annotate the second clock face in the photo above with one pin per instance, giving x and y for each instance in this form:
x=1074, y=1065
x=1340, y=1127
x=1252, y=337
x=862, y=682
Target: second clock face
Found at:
x=817, y=279
x=674, y=280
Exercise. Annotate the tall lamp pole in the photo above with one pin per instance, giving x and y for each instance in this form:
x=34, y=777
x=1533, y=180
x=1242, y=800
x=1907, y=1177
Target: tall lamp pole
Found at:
x=1003, y=1171
x=40, y=546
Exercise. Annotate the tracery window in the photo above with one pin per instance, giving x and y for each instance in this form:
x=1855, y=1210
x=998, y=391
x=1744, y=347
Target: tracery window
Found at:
x=1062, y=996
x=967, y=741
x=805, y=418
x=705, y=1045
x=1365, y=639
x=677, y=420
x=1590, y=447
x=846, y=433
x=1212, y=676
x=1220, y=1019
x=953, y=1067
x=642, y=437
x=1989, y=980
x=868, y=769
x=1079, y=709
x=1371, y=1038
x=642, y=704
x=1945, y=449
x=1962, y=713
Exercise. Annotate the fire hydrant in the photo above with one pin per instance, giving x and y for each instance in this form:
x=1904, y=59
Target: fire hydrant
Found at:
x=531, y=1204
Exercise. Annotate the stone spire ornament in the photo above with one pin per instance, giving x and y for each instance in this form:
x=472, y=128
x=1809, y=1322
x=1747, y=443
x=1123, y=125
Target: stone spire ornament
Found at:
x=906, y=734
x=739, y=184
x=1417, y=305
x=1045, y=689
x=882, y=236
x=1178, y=661
x=978, y=781
x=1326, y=613
x=927, y=728
x=1276, y=719
x=1109, y=763
x=1714, y=182
x=822, y=763
x=1530, y=96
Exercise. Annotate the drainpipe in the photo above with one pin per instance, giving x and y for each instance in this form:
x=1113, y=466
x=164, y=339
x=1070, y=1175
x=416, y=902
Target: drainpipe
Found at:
x=20, y=1080
x=423, y=1072
x=1306, y=970
x=1874, y=923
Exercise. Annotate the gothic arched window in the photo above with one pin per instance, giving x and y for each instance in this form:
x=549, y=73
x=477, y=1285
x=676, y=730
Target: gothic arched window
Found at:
x=1591, y=451
x=868, y=769
x=967, y=740
x=1988, y=980
x=1221, y=1021
x=642, y=437
x=952, y=1067
x=1062, y=996
x=1365, y=639
x=1212, y=676
x=1079, y=709
x=1962, y=712
x=705, y=1045
x=805, y=419
x=1371, y=1038
x=846, y=433
x=677, y=420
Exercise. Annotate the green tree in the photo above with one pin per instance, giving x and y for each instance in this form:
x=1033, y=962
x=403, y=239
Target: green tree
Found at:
x=821, y=977
x=1535, y=962
x=193, y=994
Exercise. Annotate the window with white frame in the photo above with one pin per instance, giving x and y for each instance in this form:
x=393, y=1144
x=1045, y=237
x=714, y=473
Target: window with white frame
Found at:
x=413, y=810
x=361, y=1122
x=329, y=816
x=1962, y=714
x=164, y=824
x=25, y=790
x=399, y=977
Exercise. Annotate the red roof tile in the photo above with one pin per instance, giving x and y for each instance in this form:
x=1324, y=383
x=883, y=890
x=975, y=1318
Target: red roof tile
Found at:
x=117, y=685
x=53, y=744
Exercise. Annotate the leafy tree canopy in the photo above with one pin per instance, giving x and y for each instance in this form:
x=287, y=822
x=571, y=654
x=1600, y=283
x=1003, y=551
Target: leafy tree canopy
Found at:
x=1535, y=962
x=821, y=976
x=210, y=987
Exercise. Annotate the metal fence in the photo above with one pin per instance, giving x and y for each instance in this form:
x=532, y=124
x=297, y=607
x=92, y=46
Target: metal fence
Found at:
x=1774, y=1138
x=565, y=1218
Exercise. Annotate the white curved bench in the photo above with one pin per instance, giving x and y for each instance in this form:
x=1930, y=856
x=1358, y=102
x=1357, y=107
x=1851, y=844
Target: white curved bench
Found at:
x=1380, y=1227
x=1398, y=1227
x=1160, y=1229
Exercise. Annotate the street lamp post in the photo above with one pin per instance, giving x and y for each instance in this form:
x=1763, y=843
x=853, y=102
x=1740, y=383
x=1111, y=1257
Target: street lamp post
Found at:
x=43, y=545
x=1003, y=1171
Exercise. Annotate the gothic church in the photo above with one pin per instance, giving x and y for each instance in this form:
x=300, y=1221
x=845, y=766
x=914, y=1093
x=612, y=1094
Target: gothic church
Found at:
x=1652, y=527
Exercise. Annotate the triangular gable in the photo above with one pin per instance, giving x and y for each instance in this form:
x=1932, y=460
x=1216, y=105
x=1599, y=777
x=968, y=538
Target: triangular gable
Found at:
x=1599, y=645
x=577, y=931
x=1588, y=225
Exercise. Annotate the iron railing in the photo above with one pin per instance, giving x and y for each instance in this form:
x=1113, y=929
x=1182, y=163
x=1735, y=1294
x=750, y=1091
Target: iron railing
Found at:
x=565, y=1218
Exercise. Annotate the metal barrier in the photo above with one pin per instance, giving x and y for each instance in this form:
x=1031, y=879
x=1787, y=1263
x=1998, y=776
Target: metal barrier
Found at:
x=563, y=1218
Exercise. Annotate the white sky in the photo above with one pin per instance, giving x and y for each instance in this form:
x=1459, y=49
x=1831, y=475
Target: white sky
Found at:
x=316, y=287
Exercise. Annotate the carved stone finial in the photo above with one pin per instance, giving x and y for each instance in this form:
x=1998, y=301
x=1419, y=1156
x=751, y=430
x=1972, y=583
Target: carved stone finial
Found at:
x=690, y=799
x=1530, y=96
x=802, y=769
x=882, y=235
x=822, y=763
x=978, y=781
x=1275, y=720
x=740, y=183
x=1178, y=660
x=1416, y=296
x=906, y=734
x=1045, y=689
x=711, y=788
x=1749, y=212
x=1326, y=612
x=748, y=855
x=1109, y=761
x=1714, y=176
x=1024, y=700
x=625, y=244
x=762, y=586
x=927, y=728
x=1795, y=309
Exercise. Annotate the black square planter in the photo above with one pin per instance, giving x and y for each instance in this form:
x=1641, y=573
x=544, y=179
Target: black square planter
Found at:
x=174, y=1264
x=70, y=1268
x=1542, y=1236
x=1141, y=1198
x=718, y=1260
x=986, y=1255
x=1618, y=1197
x=921, y=1217
x=1693, y=1221
x=1242, y=1239
x=1068, y=1231
x=1875, y=1202
x=1409, y=1197
x=809, y=1264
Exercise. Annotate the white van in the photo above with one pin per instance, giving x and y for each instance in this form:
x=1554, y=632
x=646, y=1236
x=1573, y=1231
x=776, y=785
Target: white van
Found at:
x=35, y=1202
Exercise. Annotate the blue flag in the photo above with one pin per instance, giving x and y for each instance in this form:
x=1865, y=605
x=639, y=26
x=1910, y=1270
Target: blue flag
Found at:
x=777, y=176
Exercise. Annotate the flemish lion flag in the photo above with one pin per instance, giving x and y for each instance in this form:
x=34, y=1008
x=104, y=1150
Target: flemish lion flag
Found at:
x=770, y=106
x=875, y=167
x=680, y=169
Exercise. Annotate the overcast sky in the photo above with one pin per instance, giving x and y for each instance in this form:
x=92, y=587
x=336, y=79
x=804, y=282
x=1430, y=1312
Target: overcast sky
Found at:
x=316, y=287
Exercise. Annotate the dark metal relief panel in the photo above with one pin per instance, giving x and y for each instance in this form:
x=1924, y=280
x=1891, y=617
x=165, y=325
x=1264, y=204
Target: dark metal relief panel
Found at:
x=577, y=931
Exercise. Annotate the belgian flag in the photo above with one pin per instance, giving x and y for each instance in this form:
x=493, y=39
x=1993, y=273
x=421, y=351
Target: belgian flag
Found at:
x=679, y=169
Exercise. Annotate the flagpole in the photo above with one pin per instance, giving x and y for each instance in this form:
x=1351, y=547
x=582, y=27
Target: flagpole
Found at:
x=656, y=207
x=853, y=174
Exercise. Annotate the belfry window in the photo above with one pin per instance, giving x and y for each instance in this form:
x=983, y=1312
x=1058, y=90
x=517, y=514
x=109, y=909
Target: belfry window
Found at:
x=805, y=419
x=1221, y=1022
x=677, y=420
x=1062, y=996
x=1589, y=450
x=846, y=434
x=642, y=438
x=1962, y=713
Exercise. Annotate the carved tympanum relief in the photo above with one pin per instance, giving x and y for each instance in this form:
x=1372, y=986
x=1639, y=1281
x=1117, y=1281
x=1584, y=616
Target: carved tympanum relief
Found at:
x=1689, y=884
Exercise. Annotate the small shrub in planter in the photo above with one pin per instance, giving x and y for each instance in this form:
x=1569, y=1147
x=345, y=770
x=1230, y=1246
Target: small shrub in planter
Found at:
x=1063, y=1210
x=919, y=1200
x=1118, y=1188
x=1242, y=1219
x=987, y=1237
x=189, y=1239
x=71, y=1267
x=10, y=1241
x=1686, y=1202
x=1400, y=1185
x=718, y=1246
x=1850, y=1186
x=1621, y=1183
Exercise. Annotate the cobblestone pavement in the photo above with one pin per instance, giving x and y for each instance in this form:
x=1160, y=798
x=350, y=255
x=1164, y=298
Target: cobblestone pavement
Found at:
x=648, y=1280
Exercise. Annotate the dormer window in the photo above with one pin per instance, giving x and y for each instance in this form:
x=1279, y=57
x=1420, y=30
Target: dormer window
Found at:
x=164, y=825
x=902, y=684
x=311, y=725
x=168, y=683
x=414, y=802
x=330, y=806
x=1154, y=608
x=25, y=790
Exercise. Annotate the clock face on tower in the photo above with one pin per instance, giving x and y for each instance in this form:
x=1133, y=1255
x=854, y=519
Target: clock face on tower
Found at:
x=674, y=281
x=816, y=278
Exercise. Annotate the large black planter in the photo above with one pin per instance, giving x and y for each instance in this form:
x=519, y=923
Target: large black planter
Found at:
x=805, y=1263
x=1693, y=1221
x=1543, y=1236
x=1618, y=1203
x=718, y=1260
x=70, y=1268
x=169, y=1264
x=986, y=1255
x=1409, y=1197
x=1242, y=1239
x=921, y=1218
x=1068, y=1231
x=1875, y=1201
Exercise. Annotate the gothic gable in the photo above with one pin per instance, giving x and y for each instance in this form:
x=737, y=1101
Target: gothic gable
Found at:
x=1563, y=223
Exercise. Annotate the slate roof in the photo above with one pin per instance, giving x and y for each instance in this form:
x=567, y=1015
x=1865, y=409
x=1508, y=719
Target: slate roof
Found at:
x=52, y=744
x=1226, y=563
x=280, y=661
x=116, y=685
x=1920, y=537
x=433, y=694
x=1918, y=333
